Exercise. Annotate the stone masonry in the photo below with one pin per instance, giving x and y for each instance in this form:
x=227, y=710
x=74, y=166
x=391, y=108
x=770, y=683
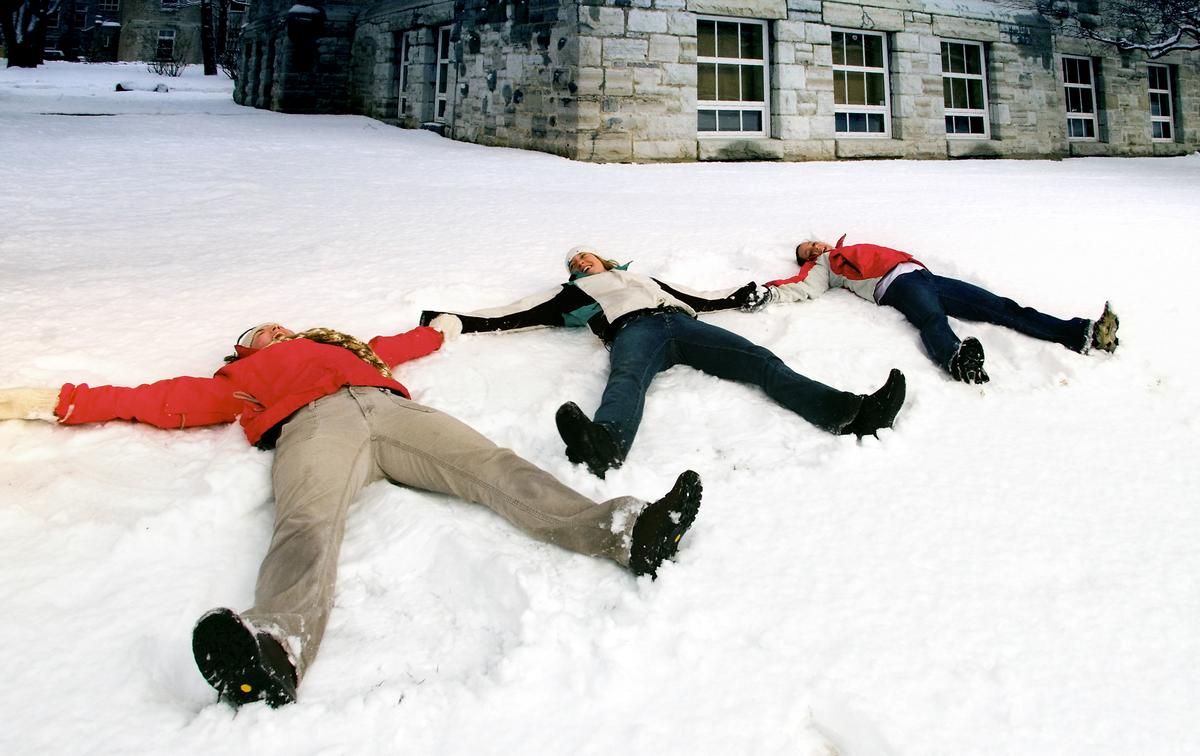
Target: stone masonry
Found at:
x=616, y=80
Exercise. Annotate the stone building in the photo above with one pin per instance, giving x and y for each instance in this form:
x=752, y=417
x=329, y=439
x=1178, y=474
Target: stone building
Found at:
x=682, y=80
x=160, y=30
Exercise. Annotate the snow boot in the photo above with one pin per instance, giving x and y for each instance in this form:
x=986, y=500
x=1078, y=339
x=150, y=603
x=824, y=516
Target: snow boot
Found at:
x=242, y=663
x=659, y=527
x=967, y=363
x=1104, y=330
x=878, y=410
x=587, y=442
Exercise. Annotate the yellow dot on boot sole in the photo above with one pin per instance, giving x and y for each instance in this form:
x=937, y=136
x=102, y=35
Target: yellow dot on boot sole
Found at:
x=246, y=688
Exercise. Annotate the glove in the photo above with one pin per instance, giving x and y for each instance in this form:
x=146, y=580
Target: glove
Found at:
x=449, y=325
x=757, y=298
x=28, y=404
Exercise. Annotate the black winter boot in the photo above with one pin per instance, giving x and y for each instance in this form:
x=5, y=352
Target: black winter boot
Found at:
x=242, y=663
x=967, y=363
x=878, y=410
x=587, y=442
x=661, y=524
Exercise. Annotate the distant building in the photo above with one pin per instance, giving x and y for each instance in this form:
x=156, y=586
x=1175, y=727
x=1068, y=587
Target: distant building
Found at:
x=681, y=80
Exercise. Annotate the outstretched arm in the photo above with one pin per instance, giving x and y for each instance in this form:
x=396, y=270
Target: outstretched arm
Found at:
x=728, y=299
x=811, y=282
x=175, y=403
x=547, y=308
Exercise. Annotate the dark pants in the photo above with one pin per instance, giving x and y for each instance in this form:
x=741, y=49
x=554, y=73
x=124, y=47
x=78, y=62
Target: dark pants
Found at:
x=926, y=300
x=658, y=339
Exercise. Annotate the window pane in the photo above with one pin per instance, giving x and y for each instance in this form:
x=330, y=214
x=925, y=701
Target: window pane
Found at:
x=751, y=120
x=1074, y=104
x=958, y=89
x=839, y=87
x=839, y=123
x=950, y=125
x=945, y=57
x=1085, y=101
x=706, y=39
x=974, y=56
x=1158, y=77
x=1070, y=71
x=974, y=94
x=875, y=123
x=874, y=51
x=976, y=125
x=957, y=64
x=856, y=88
x=854, y=50
x=858, y=123
x=442, y=77
x=1162, y=130
x=706, y=120
x=947, y=98
x=752, y=84
x=727, y=82
x=875, y=89
x=1156, y=104
x=729, y=120
x=727, y=40
x=752, y=42
x=839, y=51
x=706, y=81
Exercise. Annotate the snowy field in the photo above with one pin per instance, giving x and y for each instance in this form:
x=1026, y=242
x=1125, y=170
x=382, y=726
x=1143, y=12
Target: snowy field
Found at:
x=1012, y=570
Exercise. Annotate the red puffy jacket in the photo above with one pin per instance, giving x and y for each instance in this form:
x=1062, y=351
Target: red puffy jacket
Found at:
x=264, y=387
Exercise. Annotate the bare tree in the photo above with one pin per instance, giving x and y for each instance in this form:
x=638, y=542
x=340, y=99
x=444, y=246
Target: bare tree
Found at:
x=1155, y=27
x=23, y=26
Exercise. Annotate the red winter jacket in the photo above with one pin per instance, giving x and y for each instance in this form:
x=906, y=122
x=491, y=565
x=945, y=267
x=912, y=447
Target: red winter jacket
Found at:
x=263, y=388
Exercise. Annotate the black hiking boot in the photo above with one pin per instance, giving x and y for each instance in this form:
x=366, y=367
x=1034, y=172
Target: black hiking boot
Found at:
x=661, y=524
x=967, y=363
x=878, y=410
x=587, y=443
x=1104, y=330
x=243, y=664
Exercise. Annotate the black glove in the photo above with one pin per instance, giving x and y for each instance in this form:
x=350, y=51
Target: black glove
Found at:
x=755, y=297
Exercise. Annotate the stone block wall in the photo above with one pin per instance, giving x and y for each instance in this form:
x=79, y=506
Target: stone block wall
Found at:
x=141, y=21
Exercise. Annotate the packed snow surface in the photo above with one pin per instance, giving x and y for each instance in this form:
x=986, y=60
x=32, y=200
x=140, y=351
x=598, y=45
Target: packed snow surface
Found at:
x=1012, y=570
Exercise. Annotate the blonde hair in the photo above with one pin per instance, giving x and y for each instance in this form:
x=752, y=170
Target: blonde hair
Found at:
x=336, y=338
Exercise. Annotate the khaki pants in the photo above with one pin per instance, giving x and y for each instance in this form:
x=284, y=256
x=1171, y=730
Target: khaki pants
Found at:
x=336, y=445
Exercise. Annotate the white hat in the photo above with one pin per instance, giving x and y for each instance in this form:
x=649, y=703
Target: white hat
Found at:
x=247, y=337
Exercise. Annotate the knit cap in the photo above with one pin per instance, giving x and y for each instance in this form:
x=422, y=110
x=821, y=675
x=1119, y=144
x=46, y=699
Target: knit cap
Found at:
x=247, y=337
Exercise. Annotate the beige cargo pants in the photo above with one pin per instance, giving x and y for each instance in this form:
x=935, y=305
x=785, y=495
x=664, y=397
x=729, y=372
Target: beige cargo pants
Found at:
x=336, y=445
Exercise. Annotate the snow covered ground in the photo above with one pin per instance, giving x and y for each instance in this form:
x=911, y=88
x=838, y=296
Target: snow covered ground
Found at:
x=1012, y=570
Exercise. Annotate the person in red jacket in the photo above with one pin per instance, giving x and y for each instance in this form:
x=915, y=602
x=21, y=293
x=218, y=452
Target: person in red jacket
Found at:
x=890, y=277
x=338, y=420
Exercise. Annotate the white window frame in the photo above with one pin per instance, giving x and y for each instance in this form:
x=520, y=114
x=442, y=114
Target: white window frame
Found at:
x=165, y=34
x=406, y=48
x=1082, y=116
x=108, y=6
x=1167, y=118
x=981, y=77
x=848, y=109
x=441, y=75
x=763, y=107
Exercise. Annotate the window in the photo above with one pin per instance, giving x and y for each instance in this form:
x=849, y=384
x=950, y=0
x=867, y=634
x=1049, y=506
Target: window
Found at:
x=166, y=45
x=108, y=6
x=1162, y=118
x=964, y=90
x=731, y=77
x=860, y=96
x=1080, y=90
x=442, y=80
x=404, y=49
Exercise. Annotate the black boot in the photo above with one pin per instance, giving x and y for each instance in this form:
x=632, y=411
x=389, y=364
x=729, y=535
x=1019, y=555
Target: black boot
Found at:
x=661, y=524
x=878, y=410
x=587, y=443
x=243, y=664
x=967, y=363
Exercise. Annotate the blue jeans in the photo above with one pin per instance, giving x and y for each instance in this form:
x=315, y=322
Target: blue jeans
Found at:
x=653, y=342
x=926, y=300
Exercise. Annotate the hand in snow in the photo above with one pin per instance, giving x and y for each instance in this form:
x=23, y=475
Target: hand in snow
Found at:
x=757, y=298
x=449, y=325
x=28, y=404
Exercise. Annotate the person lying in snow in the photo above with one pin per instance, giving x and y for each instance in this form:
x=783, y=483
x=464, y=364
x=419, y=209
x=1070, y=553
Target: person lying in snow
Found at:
x=890, y=277
x=649, y=326
x=338, y=420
